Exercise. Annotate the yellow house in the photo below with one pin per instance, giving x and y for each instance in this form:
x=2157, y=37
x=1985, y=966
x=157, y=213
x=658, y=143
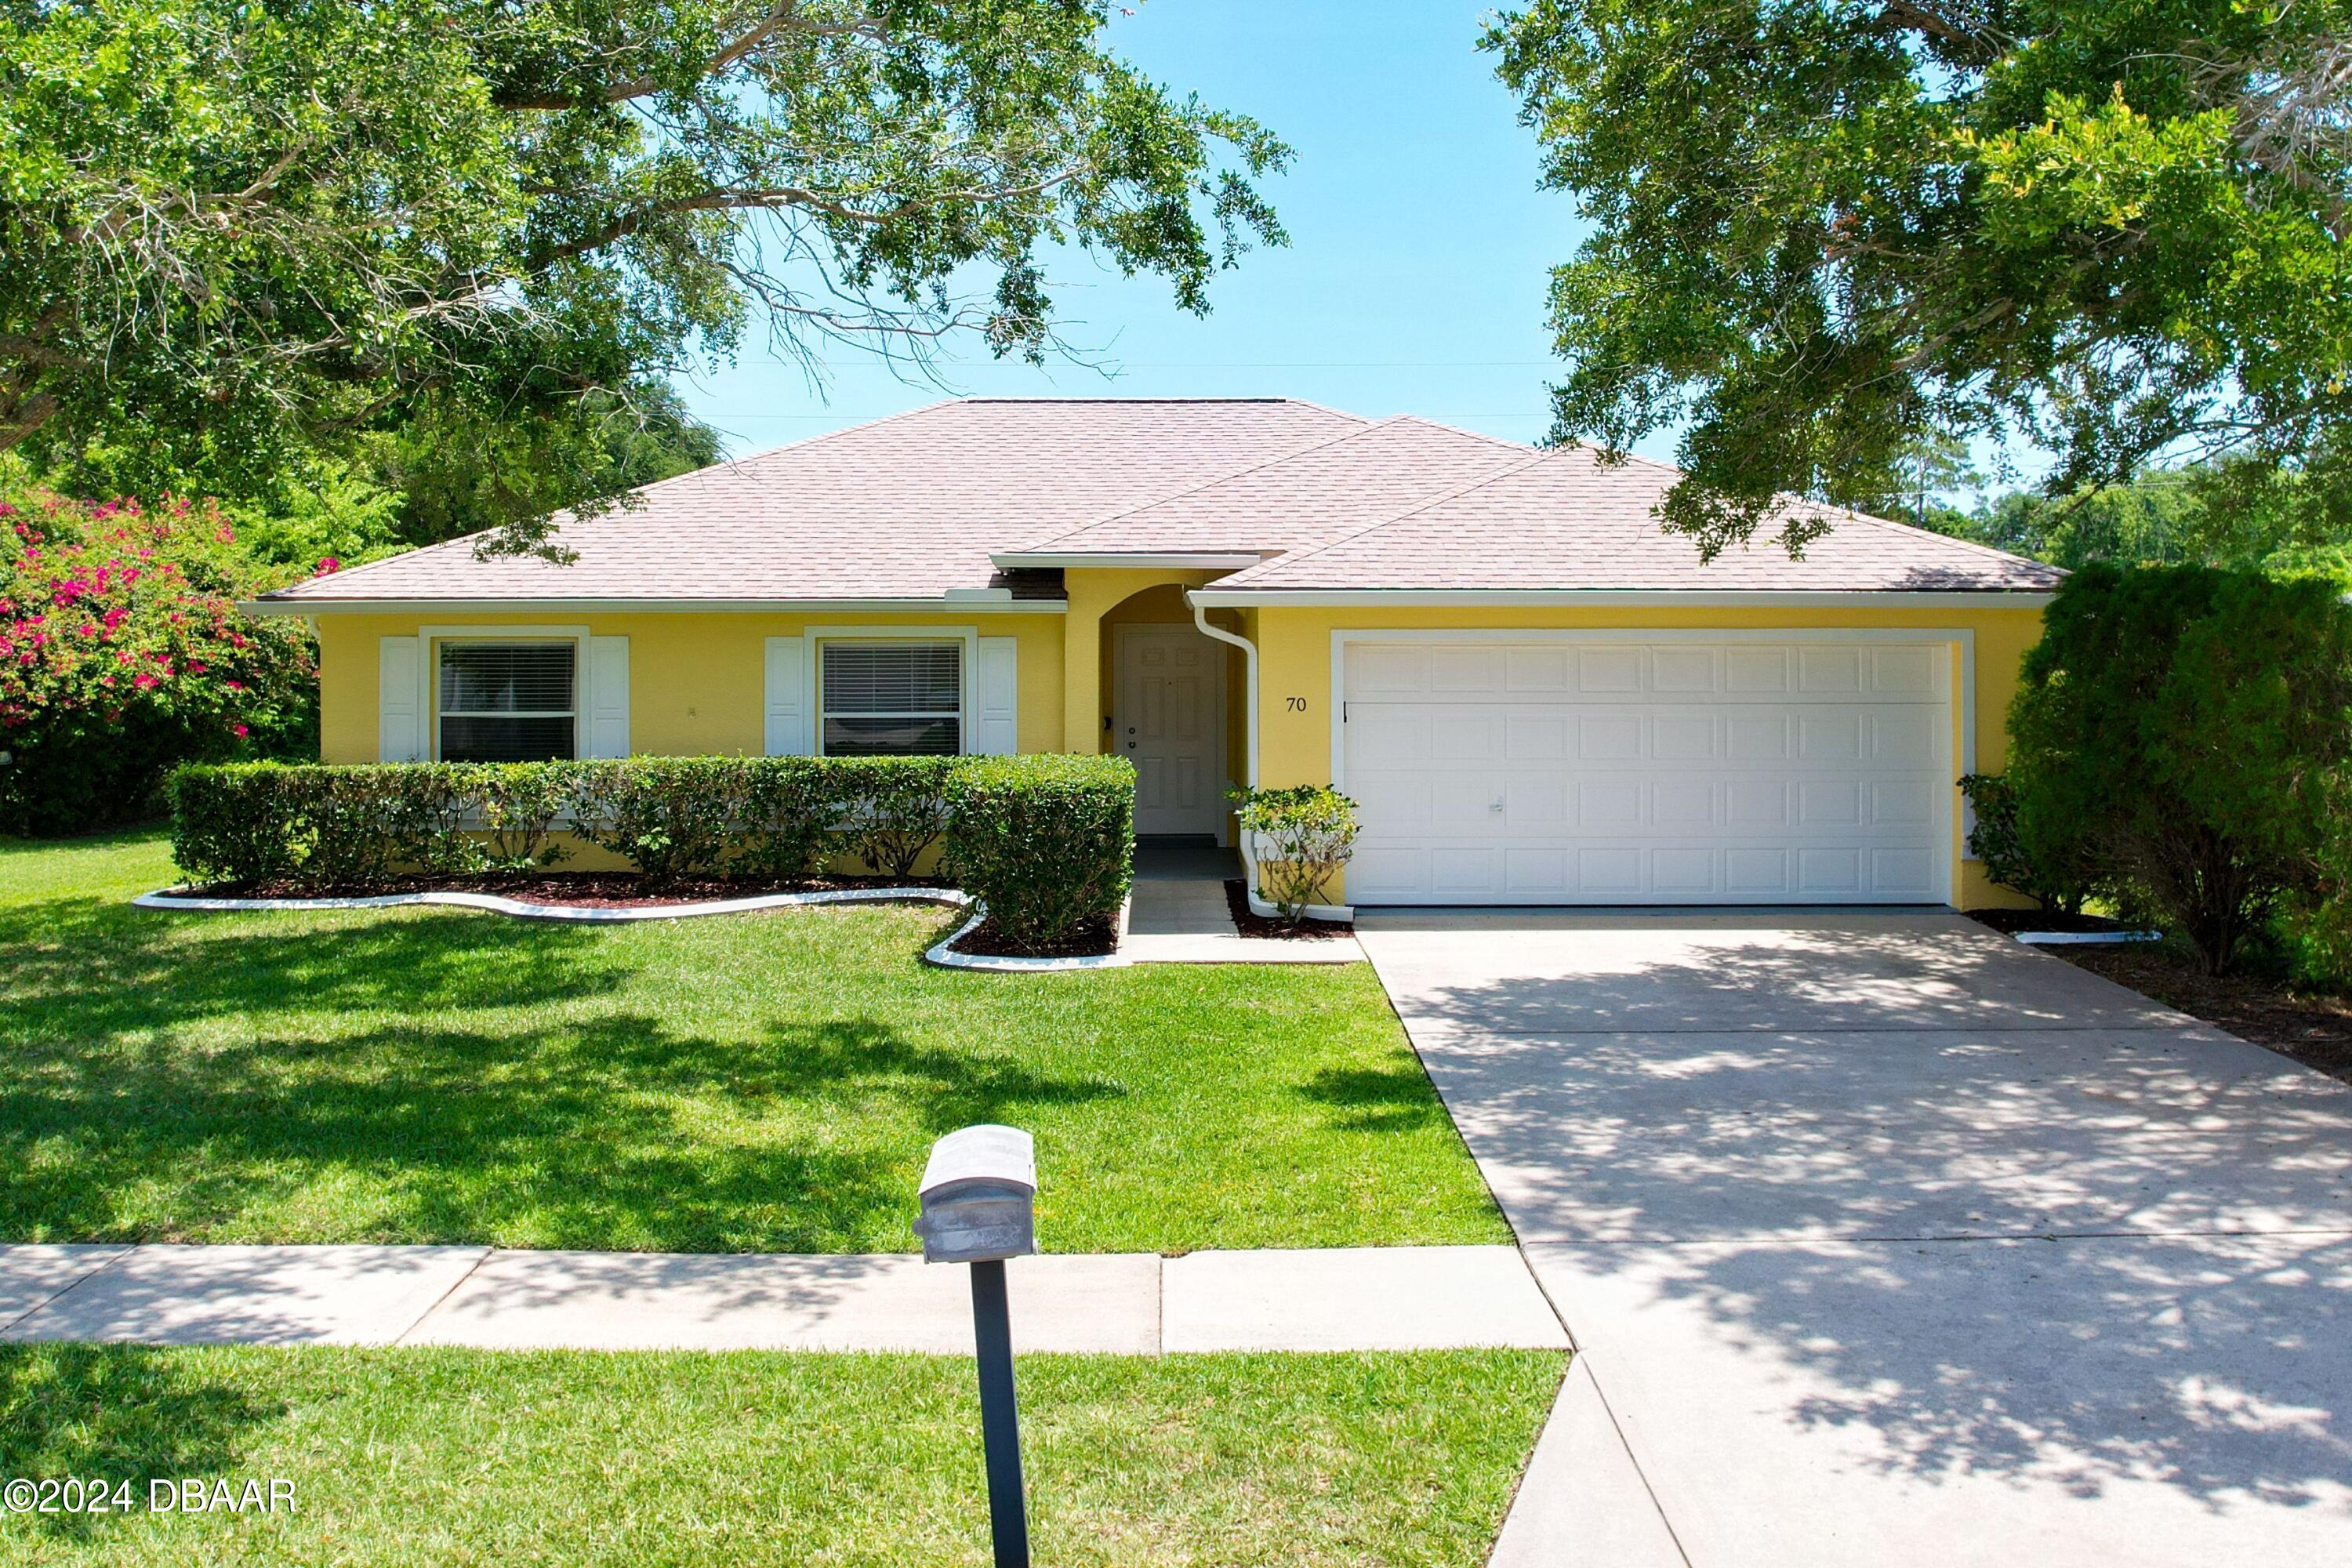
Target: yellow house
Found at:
x=1534, y=695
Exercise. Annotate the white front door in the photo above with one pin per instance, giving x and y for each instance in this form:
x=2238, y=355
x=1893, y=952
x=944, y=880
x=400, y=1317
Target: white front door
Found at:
x=1170, y=724
x=1554, y=770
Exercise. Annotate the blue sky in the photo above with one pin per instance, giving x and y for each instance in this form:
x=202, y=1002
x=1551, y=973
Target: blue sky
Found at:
x=1419, y=243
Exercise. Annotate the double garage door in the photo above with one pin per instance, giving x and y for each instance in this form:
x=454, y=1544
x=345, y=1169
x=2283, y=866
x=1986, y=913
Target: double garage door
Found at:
x=1542, y=768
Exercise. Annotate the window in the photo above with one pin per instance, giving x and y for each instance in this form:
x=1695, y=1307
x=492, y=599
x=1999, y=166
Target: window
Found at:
x=893, y=698
x=508, y=703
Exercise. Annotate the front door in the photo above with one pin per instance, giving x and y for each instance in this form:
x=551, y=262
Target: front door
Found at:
x=1171, y=725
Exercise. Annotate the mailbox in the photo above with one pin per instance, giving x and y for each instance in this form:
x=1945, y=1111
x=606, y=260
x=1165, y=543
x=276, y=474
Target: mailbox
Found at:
x=979, y=1197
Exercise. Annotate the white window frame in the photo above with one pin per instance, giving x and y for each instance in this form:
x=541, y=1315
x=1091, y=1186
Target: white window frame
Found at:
x=967, y=672
x=430, y=674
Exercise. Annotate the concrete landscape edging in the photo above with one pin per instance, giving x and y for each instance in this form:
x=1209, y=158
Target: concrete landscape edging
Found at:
x=941, y=954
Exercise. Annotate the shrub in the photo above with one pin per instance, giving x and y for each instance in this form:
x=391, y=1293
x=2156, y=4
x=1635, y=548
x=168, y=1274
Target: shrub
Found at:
x=239, y=821
x=2059, y=877
x=893, y=808
x=2186, y=727
x=789, y=807
x=123, y=654
x=1305, y=835
x=1045, y=842
x=668, y=816
x=518, y=805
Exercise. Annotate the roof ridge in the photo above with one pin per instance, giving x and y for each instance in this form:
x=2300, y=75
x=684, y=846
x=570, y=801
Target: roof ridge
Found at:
x=1969, y=545
x=1363, y=427
x=1413, y=509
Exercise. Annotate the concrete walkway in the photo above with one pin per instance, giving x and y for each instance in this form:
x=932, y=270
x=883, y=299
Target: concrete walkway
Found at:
x=1343, y=1298
x=1884, y=1239
x=1178, y=913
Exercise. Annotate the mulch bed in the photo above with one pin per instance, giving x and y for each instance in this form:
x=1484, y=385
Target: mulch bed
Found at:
x=1092, y=939
x=589, y=889
x=1250, y=923
x=2009, y=922
x=2313, y=1029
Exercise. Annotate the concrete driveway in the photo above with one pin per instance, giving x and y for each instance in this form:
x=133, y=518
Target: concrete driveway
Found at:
x=1887, y=1240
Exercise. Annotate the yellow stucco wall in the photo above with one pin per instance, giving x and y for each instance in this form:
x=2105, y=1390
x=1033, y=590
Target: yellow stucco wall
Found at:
x=1294, y=662
x=697, y=680
x=696, y=683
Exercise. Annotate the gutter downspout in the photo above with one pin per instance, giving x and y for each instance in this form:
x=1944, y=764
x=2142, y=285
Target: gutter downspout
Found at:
x=1249, y=714
x=1249, y=680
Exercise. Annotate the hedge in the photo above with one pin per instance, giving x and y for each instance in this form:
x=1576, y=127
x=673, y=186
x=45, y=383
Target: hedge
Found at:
x=2182, y=737
x=1045, y=841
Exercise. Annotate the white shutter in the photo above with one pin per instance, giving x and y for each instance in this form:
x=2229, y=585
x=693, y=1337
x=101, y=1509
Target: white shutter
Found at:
x=997, y=733
x=400, y=700
x=788, y=726
x=605, y=696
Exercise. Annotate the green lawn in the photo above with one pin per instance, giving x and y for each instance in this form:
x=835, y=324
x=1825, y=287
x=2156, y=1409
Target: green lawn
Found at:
x=757, y=1083
x=453, y=1458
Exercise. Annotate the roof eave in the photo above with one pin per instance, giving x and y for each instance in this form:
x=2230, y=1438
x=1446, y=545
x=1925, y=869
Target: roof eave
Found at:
x=1168, y=561
x=976, y=600
x=1213, y=597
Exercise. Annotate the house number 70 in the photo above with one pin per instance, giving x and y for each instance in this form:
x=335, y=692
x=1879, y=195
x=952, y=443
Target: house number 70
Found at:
x=1294, y=704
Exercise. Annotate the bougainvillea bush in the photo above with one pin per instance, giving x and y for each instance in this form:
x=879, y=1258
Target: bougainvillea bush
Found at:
x=123, y=654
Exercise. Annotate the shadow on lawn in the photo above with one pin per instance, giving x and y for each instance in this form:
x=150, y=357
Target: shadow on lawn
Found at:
x=619, y=1132
x=91, y=967
x=117, y=1411
x=1396, y=1099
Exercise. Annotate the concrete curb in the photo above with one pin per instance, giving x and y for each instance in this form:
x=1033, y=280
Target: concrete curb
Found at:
x=940, y=954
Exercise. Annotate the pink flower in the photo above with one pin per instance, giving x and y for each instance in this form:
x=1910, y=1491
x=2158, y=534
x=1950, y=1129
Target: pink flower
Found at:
x=238, y=728
x=328, y=564
x=142, y=681
x=235, y=685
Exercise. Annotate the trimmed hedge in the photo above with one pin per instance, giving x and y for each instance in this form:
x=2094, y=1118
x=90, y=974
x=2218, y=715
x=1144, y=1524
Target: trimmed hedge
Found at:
x=1045, y=842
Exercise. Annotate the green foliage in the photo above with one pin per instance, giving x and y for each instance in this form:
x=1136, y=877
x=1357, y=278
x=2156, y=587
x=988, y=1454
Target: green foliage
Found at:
x=1045, y=842
x=2065, y=881
x=239, y=821
x=518, y=806
x=894, y=809
x=245, y=239
x=790, y=806
x=122, y=653
x=354, y=829
x=2189, y=730
x=1823, y=235
x=2233, y=514
x=668, y=816
x=1304, y=837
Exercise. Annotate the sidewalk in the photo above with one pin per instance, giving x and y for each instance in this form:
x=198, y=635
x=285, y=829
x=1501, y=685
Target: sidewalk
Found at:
x=1342, y=1298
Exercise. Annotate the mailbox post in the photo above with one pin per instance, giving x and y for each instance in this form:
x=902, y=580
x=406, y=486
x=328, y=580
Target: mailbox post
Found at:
x=979, y=1208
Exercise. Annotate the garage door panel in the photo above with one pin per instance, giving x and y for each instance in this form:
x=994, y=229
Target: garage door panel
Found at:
x=1620, y=771
x=1682, y=738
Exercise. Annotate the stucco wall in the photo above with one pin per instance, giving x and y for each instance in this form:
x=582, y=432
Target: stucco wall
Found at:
x=696, y=683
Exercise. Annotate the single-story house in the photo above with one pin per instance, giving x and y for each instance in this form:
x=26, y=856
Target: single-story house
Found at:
x=1534, y=694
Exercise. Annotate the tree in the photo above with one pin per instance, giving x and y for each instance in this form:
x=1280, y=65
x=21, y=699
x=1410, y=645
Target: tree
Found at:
x=1826, y=232
x=238, y=236
x=2186, y=730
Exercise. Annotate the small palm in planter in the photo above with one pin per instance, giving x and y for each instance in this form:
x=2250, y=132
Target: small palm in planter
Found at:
x=1305, y=836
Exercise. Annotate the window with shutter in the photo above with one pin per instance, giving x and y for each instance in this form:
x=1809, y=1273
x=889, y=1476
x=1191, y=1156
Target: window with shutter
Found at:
x=892, y=699
x=508, y=703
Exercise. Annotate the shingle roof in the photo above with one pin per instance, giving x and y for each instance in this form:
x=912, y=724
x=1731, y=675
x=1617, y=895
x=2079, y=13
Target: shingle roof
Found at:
x=1562, y=520
x=1303, y=499
x=905, y=508
x=913, y=506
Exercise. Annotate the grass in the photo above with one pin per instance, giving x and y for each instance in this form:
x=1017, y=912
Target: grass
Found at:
x=455, y=1458
x=757, y=1083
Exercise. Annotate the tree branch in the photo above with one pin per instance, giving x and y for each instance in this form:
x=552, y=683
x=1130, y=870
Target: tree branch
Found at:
x=782, y=18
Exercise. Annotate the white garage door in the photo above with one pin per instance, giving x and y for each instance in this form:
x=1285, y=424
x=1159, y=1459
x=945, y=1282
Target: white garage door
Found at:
x=1556, y=771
